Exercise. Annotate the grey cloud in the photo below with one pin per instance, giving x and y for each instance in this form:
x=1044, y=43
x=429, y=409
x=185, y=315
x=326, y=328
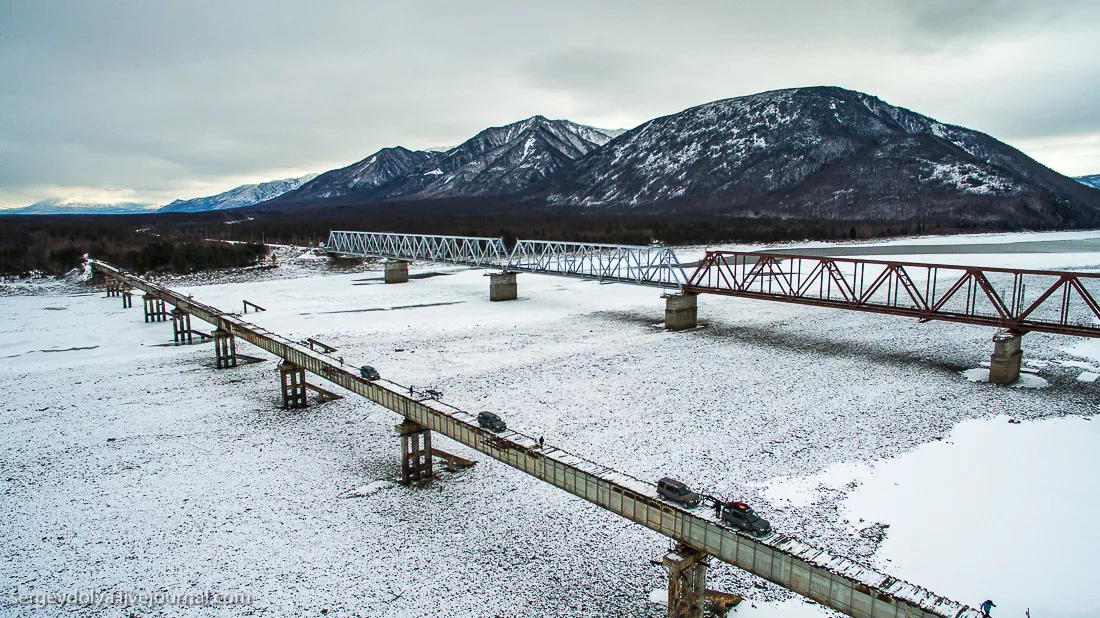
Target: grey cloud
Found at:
x=148, y=94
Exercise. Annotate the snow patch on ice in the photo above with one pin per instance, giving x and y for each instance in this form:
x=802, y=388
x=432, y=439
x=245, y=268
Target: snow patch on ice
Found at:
x=366, y=490
x=1026, y=380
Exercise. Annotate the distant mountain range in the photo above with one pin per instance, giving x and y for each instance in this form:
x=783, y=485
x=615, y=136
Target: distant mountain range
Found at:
x=808, y=153
x=1092, y=181
x=805, y=153
x=496, y=161
x=244, y=195
x=57, y=206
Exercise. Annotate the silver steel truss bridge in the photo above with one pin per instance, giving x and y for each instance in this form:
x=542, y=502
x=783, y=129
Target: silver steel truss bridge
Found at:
x=833, y=581
x=652, y=265
x=467, y=250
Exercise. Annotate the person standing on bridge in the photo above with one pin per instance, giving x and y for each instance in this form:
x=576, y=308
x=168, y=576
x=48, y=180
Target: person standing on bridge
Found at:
x=988, y=605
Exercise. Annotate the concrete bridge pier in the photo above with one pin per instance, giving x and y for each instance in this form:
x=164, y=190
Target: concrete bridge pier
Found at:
x=293, y=381
x=397, y=271
x=114, y=287
x=416, y=452
x=127, y=297
x=154, y=308
x=687, y=582
x=225, y=348
x=1004, y=363
x=681, y=311
x=502, y=286
x=181, y=326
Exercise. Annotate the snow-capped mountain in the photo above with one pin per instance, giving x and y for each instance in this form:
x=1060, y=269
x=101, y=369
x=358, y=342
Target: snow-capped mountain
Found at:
x=1092, y=181
x=496, y=161
x=362, y=177
x=499, y=160
x=57, y=206
x=820, y=152
x=239, y=197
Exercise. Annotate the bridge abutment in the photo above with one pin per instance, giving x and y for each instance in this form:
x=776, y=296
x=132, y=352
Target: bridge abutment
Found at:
x=181, y=326
x=225, y=348
x=396, y=271
x=1004, y=363
x=687, y=582
x=681, y=311
x=416, y=452
x=502, y=286
x=292, y=378
x=154, y=308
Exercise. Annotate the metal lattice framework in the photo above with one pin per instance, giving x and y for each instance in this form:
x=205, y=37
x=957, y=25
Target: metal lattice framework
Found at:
x=1022, y=300
x=651, y=265
x=640, y=265
x=467, y=250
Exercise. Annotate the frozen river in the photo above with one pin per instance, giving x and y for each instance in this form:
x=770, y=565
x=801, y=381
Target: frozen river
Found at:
x=131, y=464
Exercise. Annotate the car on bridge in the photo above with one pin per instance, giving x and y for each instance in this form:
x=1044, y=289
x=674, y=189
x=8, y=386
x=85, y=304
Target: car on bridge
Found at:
x=491, y=421
x=369, y=373
x=741, y=515
x=676, y=491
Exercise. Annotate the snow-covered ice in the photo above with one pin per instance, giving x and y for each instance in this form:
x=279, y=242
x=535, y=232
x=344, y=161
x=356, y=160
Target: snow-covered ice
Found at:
x=128, y=463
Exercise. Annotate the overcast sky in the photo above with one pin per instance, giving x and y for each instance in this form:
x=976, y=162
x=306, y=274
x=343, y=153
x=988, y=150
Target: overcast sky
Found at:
x=149, y=101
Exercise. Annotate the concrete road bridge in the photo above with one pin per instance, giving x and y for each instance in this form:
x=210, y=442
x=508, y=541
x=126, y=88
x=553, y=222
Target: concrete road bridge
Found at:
x=834, y=581
x=1016, y=301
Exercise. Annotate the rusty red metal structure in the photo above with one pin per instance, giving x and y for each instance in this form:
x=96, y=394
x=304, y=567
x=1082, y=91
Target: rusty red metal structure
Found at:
x=1058, y=302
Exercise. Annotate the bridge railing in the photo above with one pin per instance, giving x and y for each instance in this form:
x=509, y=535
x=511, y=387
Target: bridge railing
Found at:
x=1059, y=302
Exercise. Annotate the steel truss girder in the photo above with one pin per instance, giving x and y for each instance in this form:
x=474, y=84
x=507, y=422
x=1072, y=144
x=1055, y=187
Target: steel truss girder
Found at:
x=1065, y=303
x=466, y=250
x=639, y=265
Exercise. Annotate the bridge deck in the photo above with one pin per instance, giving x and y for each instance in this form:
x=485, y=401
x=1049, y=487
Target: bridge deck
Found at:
x=833, y=581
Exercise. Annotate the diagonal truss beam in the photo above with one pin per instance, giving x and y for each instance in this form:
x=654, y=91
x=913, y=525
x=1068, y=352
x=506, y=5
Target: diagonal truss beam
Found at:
x=1066, y=303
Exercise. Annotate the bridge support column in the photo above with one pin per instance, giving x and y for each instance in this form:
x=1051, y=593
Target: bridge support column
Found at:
x=127, y=297
x=397, y=271
x=1004, y=363
x=225, y=348
x=416, y=452
x=154, y=308
x=181, y=326
x=114, y=287
x=687, y=582
x=502, y=286
x=293, y=380
x=681, y=311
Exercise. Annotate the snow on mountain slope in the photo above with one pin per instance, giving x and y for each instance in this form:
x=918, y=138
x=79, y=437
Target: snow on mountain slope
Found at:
x=499, y=160
x=244, y=195
x=1092, y=181
x=361, y=177
x=818, y=152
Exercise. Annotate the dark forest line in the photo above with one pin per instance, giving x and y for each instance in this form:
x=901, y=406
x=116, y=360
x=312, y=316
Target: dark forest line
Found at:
x=186, y=243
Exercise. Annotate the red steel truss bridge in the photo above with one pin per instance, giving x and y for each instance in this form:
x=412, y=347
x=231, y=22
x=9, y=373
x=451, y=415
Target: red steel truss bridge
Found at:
x=1059, y=302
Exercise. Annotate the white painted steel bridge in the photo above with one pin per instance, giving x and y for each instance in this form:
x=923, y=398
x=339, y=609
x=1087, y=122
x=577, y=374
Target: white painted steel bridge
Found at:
x=651, y=265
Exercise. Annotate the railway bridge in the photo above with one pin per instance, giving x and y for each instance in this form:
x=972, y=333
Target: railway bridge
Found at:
x=834, y=581
x=1015, y=301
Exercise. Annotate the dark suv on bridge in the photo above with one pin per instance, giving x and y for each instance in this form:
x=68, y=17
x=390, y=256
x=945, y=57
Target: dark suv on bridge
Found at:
x=676, y=491
x=741, y=515
x=491, y=421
